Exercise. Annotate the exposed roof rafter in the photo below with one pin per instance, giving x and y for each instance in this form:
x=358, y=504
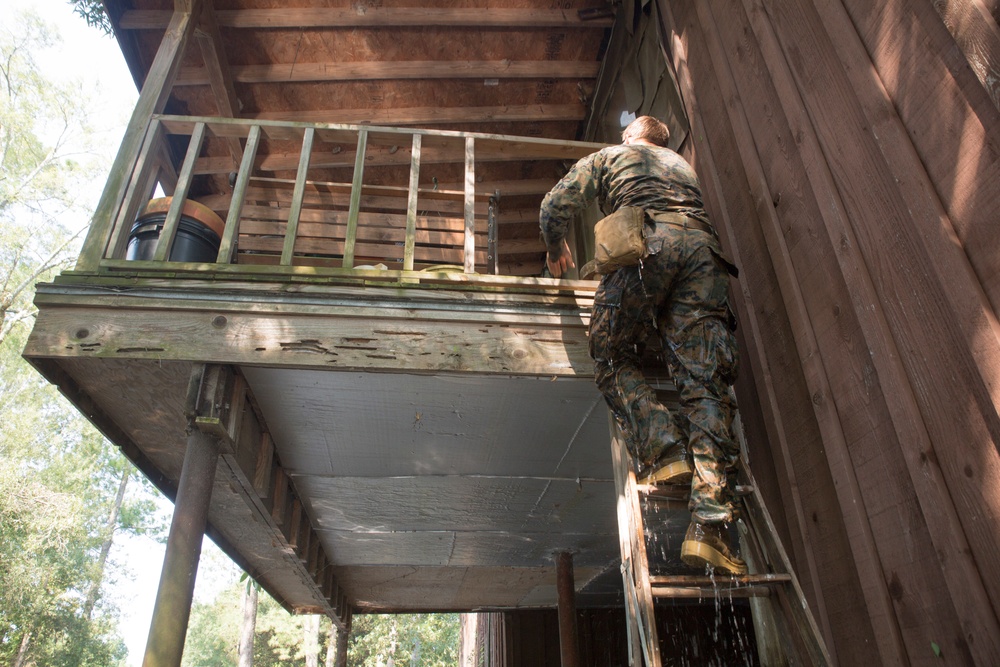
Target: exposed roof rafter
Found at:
x=371, y=17
x=386, y=70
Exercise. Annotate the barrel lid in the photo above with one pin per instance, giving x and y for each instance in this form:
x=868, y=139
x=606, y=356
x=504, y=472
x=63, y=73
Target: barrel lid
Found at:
x=192, y=209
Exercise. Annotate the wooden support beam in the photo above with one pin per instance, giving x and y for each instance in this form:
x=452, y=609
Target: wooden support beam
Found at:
x=569, y=651
x=514, y=113
x=139, y=189
x=152, y=99
x=397, y=70
x=265, y=466
x=220, y=76
x=377, y=17
x=172, y=608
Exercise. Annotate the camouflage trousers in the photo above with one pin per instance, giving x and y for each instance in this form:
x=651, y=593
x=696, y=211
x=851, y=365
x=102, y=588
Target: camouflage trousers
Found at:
x=679, y=294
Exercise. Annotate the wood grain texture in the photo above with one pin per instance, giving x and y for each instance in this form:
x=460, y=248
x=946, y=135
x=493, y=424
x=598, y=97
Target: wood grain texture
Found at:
x=807, y=126
x=333, y=17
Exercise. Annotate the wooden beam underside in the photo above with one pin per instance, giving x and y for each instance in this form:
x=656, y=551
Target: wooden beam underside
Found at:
x=346, y=334
x=394, y=70
x=372, y=17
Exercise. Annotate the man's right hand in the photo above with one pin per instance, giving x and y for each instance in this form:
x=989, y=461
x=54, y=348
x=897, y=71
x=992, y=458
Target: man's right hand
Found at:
x=560, y=263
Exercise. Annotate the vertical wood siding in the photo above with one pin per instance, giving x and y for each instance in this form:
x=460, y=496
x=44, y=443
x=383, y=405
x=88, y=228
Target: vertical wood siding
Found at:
x=851, y=160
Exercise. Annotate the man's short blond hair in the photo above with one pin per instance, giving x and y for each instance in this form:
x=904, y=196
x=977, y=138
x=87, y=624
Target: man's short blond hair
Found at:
x=648, y=128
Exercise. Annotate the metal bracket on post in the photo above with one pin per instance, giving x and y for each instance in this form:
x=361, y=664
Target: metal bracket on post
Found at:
x=492, y=258
x=215, y=405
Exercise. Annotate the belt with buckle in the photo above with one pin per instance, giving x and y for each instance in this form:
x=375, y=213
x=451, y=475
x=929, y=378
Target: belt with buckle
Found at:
x=681, y=220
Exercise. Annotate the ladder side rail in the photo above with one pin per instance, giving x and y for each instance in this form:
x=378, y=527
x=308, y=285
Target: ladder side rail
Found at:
x=633, y=546
x=790, y=595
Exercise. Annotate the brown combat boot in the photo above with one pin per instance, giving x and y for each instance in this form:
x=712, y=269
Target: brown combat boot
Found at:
x=673, y=468
x=708, y=544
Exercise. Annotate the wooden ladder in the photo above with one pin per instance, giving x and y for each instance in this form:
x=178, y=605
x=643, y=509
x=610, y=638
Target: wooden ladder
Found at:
x=786, y=632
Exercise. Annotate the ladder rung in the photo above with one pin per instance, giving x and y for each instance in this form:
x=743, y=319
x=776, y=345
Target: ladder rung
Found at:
x=682, y=491
x=723, y=592
x=720, y=581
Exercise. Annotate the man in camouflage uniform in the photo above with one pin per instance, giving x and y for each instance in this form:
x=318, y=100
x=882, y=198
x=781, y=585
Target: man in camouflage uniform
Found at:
x=679, y=292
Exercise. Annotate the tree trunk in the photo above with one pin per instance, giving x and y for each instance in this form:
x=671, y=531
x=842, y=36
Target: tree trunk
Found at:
x=331, y=646
x=249, y=626
x=310, y=640
x=415, y=656
x=342, y=637
x=22, y=651
x=109, y=536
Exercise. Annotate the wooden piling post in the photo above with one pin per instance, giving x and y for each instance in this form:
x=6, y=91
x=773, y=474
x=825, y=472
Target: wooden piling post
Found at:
x=569, y=651
x=167, y=631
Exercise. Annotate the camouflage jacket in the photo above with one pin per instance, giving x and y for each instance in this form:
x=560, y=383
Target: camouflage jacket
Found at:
x=654, y=178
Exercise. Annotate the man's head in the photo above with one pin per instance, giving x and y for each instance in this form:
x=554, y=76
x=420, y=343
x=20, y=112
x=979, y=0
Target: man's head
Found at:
x=646, y=129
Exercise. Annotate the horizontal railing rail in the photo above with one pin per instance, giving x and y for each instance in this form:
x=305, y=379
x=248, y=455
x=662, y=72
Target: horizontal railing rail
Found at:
x=266, y=222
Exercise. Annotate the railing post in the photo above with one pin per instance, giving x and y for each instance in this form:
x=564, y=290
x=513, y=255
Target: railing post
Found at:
x=292, y=229
x=352, y=215
x=173, y=220
x=228, y=245
x=411, y=205
x=470, y=205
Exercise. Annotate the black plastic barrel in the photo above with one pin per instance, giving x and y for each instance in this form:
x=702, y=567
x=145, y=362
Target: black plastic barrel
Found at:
x=195, y=242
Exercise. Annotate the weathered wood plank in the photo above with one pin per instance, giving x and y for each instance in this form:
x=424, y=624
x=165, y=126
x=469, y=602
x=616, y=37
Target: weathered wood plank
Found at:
x=308, y=341
x=941, y=309
x=952, y=123
x=381, y=17
x=470, y=205
x=168, y=234
x=152, y=99
x=793, y=433
x=213, y=54
x=264, y=467
x=228, y=243
x=355, y=204
x=140, y=187
x=396, y=70
x=975, y=30
x=297, y=194
x=369, y=251
x=402, y=116
x=409, y=238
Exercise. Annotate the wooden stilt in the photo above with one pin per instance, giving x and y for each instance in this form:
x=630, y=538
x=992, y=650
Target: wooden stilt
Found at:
x=343, y=634
x=569, y=651
x=165, y=644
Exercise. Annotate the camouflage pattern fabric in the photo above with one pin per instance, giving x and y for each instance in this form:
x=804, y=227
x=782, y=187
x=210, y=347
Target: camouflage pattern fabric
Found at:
x=678, y=293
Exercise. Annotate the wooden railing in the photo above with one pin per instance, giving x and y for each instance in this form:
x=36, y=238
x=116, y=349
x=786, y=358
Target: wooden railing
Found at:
x=289, y=223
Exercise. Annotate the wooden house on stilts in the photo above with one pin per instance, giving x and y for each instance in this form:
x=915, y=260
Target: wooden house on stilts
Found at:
x=333, y=345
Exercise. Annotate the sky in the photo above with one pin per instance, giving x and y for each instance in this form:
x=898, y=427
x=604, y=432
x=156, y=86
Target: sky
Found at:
x=88, y=55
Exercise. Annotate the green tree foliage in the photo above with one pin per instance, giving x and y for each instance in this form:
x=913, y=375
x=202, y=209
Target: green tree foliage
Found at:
x=92, y=11
x=46, y=165
x=427, y=640
x=59, y=478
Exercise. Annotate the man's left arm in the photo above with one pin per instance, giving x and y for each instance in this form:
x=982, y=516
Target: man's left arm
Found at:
x=571, y=195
